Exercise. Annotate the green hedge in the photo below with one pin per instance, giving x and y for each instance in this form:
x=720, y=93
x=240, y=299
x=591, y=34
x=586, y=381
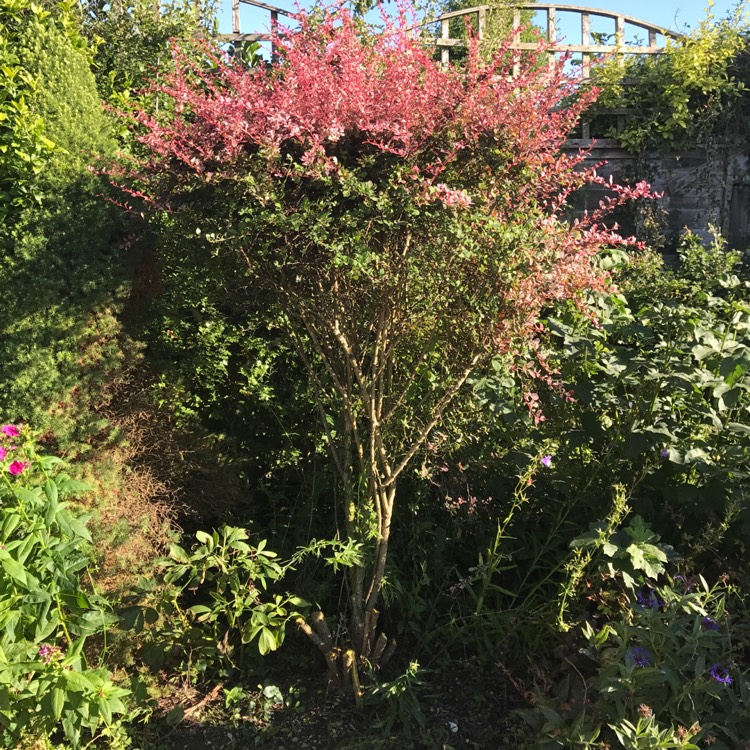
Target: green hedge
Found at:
x=61, y=267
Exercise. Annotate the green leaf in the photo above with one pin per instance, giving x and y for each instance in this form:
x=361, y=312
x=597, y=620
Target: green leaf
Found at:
x=203, y=537
x=94, y=622
x=17, y=572
x=72, y=527
x=201, y=612
x=50, y=490
x=77, y=682
x=105, y=711
x=266, y=642
x=700, y=352
x=175, y=716
x=647, y=558
x=178, y=553
x=58, y=702
x=28, y=496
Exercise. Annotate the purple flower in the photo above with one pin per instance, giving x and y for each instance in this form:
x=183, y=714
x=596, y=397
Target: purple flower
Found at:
x=719, y=674
x=547, y=461
x=710, y=624
x=10, y=430
x=637, y=656
x=664, y=453
x=649, y=599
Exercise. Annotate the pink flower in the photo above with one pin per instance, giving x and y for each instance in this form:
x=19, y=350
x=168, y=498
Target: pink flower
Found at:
x=48, y=653
x=10, y=430
x=17, y=467
x=3, y=453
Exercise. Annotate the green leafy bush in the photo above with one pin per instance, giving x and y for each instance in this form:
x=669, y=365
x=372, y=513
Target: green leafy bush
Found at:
x=130, y=41
x=655, y=425
x=61, y=267
x=659, y=673
x=208, y=605
x=47, y=610
x=689, y=92
x=24, y=147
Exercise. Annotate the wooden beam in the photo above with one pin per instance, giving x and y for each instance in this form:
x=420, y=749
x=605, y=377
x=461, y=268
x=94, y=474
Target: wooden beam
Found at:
x=265, y=6
x=591, y=49
x=586, y=42
x=551, y=34
x=551, y=25
x=274, y=35
x=445, y=52
x=245, y=37
x=603, y=13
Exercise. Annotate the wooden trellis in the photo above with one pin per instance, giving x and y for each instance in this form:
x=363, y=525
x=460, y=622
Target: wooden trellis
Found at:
x=237, y=37
x=479, y=13
x=584, y=47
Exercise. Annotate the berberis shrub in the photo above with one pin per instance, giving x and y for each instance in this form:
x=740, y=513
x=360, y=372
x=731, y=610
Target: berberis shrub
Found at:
x=403, y=222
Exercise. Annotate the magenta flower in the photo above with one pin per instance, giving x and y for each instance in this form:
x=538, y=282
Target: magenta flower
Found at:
x=10, y=430
x=17, y=467
x=47, y=653
x=547, y=461
x=3, y=453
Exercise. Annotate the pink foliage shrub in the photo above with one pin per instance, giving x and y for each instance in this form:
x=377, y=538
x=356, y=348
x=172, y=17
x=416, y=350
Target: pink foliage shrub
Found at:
x=406, y=222
x=469, y=142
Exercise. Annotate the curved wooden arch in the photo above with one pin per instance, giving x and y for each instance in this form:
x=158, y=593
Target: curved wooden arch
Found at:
x=445, y=42
x=585, y=47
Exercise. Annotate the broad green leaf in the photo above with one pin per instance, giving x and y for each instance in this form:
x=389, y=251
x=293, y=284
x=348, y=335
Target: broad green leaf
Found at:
x=79, y=681
x=50, y=490
x=203, y=537
x=266, y=642
x=17, y=572
x=178, y=553
x=58, y=702
x=105, y=710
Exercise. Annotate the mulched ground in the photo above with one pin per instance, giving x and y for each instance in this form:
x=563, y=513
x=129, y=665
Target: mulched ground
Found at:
x=465, y=707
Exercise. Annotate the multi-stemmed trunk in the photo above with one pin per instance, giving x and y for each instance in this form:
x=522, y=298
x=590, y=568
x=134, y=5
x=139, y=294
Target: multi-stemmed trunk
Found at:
x=371, y=391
